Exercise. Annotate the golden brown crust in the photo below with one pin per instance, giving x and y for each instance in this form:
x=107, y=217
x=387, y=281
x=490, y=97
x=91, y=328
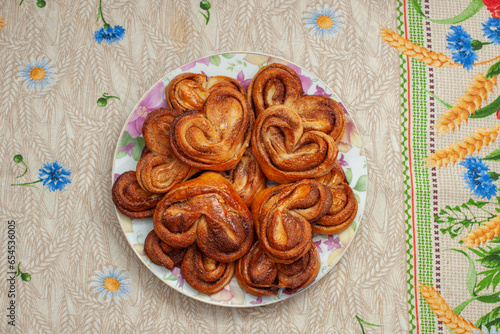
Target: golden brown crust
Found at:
x=207, y=210
x=256, y=273
x=188, y=91
x=161, y=253
x=159, y=173
x=342, y=212
x=247, y=177
x=203, y=273
x=334, y=177
x=323, y=114
x=300, y=273
x=220, y=81
x=156, y=130
x=274, y=84
x=285, y=151
x=215, y=138
x=283, y=216
x=131, y=199
x=145, y=151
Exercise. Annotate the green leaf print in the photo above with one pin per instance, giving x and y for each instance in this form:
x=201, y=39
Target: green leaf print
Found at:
x=471, y=273
x=361, y=184
x=215, y=60
x=348, y=175
x=494, y=70
x=470, y=11
x=490, y=319
x=136, y=148
x=495, y=155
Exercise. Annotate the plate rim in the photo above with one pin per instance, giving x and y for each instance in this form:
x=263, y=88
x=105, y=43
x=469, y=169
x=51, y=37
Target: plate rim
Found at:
x=208, y=301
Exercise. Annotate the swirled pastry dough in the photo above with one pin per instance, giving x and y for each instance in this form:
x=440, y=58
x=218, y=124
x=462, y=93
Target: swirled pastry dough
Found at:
x=206, y=210
x=274, y=84
x=286, y=152
x=131, y=199
x=320, y=113
x=258, y=275
x=342, y=212
x=334, y=177
x=203, y=273
x=159, y=173
x=156, y=130
x=188, y=91
x=296, y=275
x=247, y=177
x=344, y=205
x=216, y=137
x=161, y=253
x=283, y=216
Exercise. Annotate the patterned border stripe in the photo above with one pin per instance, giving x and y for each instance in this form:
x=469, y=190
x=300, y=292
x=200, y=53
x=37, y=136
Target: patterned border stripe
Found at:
x=418, y=130
x=407, y=181
x=433, y=197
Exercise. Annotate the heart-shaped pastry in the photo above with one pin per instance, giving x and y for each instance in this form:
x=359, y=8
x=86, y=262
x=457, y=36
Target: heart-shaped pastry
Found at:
x=274, y=84
x=286, y=151
x=216, y=137
x=283, y=216
x=206, y=210
x=188, y=91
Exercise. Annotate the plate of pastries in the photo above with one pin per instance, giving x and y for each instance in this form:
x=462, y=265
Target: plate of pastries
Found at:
x=239, y=179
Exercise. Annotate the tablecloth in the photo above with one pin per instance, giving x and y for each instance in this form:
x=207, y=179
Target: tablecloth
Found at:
x=68, y=86
x=449, y=55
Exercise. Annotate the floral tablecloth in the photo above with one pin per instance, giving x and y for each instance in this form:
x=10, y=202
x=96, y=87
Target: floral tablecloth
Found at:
x=449, y=66
x=419, y=78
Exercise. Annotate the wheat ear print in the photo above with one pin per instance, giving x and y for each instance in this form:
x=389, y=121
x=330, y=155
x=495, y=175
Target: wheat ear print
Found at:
x=415, y=51
x=467, y=104
x=483, y=233
x=444, y=313
x=470, y=144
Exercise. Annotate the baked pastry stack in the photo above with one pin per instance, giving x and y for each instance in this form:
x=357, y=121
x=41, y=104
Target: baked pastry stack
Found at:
x=234, y=142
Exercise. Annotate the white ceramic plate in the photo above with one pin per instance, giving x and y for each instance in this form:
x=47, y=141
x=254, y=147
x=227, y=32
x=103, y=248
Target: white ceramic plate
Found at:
x=241, y=66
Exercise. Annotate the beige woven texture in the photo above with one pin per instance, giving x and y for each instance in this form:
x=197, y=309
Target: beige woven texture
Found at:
x=64, y=237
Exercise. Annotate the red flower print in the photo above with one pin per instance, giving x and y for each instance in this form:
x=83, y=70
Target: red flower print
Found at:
x=494, y=7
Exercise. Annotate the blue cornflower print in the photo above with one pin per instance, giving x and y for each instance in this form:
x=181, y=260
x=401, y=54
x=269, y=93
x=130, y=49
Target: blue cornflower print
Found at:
x=109, y=35
x=459, y=42
x=477, y=178
x=54, y=176
x=491, y=29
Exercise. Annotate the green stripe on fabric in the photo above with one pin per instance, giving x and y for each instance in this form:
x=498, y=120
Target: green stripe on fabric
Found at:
x=409, y=233
x=420, y=133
